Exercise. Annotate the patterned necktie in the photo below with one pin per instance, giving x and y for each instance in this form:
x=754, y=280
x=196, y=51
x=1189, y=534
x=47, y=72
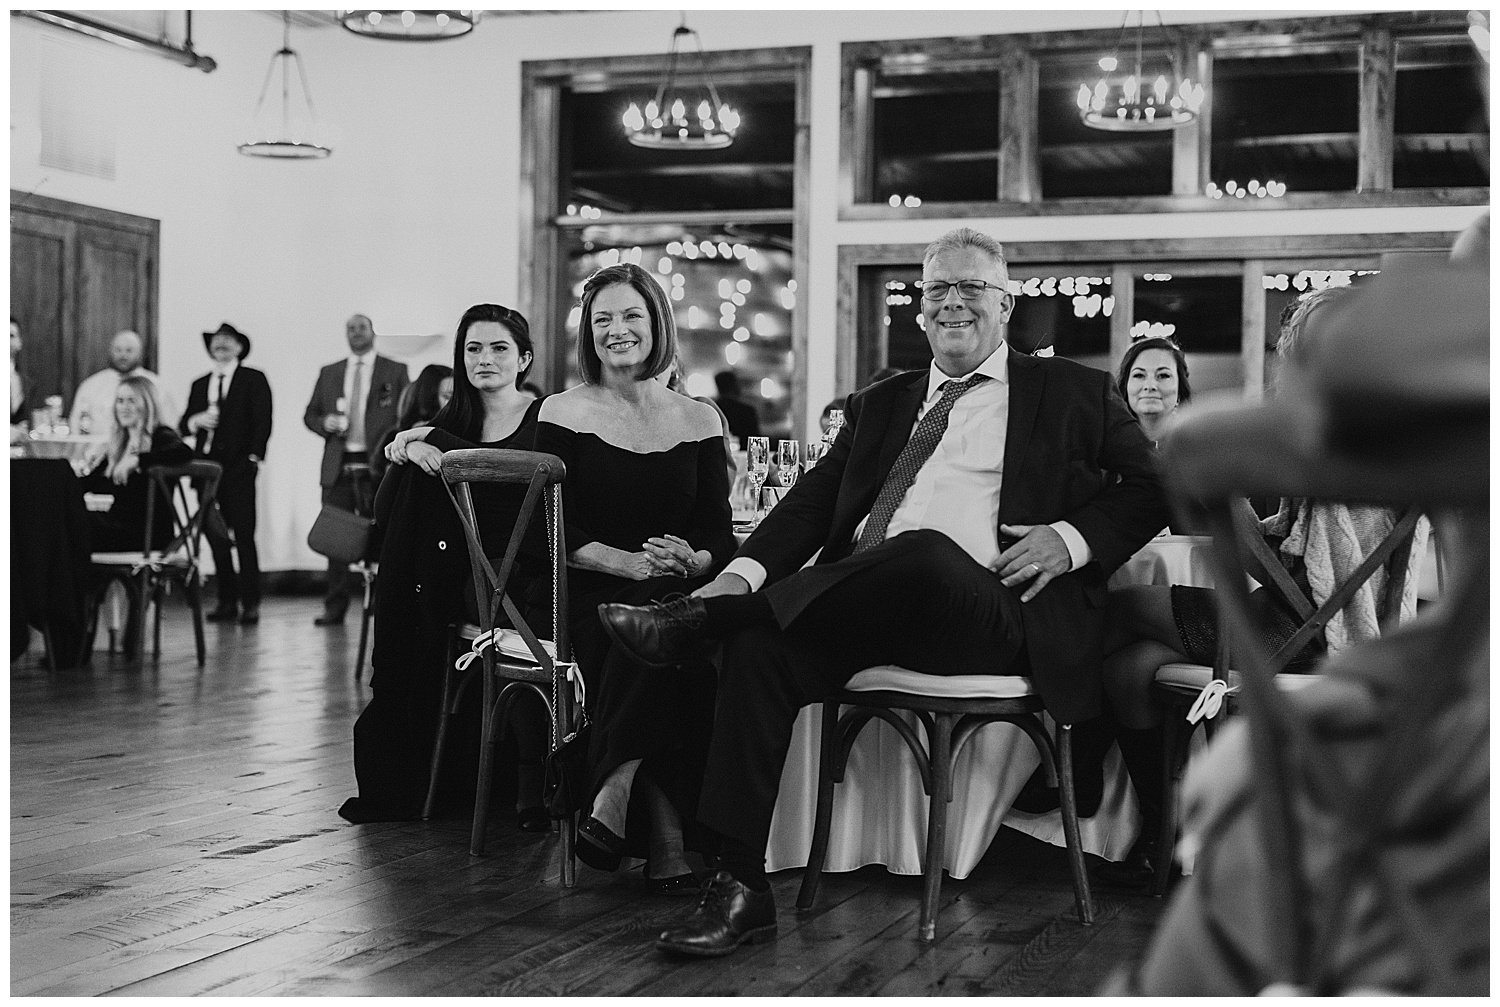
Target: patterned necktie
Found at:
x=924, y=440
x=356, y=432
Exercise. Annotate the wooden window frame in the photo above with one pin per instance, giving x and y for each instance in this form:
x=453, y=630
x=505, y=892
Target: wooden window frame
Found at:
x=1124, y=257
x=542, y=82
x=1015, y=58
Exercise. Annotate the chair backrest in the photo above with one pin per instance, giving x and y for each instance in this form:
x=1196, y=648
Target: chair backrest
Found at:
x=541, y=475
x=168, y=487
x=1392, y=553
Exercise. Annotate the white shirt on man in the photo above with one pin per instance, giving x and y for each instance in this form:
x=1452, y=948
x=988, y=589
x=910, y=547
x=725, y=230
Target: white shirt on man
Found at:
x=367, y=362
x=957, y=490
x=94, y=403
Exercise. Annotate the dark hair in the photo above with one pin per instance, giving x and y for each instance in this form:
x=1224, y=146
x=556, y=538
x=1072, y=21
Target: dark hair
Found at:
x=658, y=309
x=1184, y=390
x=419, y=402
x=464, y=413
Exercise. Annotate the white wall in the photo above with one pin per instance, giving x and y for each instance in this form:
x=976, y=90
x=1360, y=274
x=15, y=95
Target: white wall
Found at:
x=414, y=217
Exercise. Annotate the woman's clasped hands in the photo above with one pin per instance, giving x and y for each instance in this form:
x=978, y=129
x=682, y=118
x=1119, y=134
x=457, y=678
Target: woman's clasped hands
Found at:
x=670, y=556
x=411, y=446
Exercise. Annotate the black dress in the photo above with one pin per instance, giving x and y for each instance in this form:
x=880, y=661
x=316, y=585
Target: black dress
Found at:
x=122, y=527
x=424, y=587
x=620, y=498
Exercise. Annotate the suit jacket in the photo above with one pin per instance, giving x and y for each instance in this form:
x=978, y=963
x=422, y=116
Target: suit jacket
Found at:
x=388, y=378
x=1073, y=452
x=244, y=418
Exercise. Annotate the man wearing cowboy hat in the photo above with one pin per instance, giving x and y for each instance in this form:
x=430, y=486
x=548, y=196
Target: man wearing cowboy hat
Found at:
x=228, y=419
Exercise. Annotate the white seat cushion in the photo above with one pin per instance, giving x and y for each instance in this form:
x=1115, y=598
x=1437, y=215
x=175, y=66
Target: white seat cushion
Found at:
x=135, y=558
x=889, y=678
x=1196, y=676
x=509, y=643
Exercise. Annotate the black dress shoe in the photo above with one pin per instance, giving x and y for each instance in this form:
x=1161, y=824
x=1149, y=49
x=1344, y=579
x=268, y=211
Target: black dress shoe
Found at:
x=224, y=613
x=659, y=635
x=728, y=914
x=598, y=846
x=328, y=619
x=1136, y=871
x=534, y=819
x=250, y=616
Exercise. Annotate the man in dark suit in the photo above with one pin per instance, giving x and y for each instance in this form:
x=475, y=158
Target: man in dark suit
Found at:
x=353, y=403
x=228, y=419
x=744, y=421
x=965, y=522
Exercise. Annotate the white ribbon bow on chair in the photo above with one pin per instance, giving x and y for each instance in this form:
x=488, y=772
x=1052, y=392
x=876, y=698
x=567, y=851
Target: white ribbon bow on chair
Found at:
x=1209, y=701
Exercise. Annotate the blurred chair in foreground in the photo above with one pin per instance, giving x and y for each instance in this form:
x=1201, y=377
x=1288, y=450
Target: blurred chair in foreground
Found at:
x=1341, y=833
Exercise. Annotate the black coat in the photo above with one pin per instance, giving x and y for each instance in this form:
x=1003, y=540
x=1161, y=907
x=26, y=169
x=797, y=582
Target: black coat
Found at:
x=244, y=418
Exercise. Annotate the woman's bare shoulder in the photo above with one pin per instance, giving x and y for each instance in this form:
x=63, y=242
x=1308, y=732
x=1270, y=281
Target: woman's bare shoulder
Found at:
x=570, y=407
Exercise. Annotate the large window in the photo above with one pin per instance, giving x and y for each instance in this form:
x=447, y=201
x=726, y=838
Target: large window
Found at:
x=719, y=229
x=935, y=135
x=1079, y=161
x=1442, y=115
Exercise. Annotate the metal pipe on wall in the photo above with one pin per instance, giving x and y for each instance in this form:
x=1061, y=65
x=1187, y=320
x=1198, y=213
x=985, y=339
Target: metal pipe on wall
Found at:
x=69, y=21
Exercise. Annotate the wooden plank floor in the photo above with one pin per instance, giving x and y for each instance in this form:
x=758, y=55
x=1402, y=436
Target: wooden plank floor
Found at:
x=173, y=833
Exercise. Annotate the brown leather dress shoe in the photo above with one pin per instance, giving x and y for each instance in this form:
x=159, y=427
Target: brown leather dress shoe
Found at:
x=659, y=635
x=728, y=914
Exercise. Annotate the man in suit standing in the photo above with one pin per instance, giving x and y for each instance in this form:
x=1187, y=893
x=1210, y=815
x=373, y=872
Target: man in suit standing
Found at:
x=228, y=419
x=353, y=402
x=968, y=518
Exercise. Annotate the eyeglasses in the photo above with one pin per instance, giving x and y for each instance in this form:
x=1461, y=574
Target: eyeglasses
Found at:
x=937, y=290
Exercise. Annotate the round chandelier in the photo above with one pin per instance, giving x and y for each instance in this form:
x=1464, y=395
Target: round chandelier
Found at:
x=410, y=25
x=1136, y=101
x=692, y=118
x=286, y=138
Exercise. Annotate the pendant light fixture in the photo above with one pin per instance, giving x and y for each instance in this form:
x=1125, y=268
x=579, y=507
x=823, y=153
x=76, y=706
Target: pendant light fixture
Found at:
x=1143, y=97
x=410, y=25
x=683, y=118
x=290, y=138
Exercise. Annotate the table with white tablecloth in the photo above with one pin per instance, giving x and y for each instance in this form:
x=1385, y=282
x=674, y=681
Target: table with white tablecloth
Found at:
x=880, y=810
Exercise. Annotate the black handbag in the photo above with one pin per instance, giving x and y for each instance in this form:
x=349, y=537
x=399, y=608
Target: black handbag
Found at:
x=341, y=535
x=565, y=774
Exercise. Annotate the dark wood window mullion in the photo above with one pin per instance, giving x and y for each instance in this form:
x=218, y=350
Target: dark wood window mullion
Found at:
x=1377, y=110
x=1192, y=144
x=857, y=144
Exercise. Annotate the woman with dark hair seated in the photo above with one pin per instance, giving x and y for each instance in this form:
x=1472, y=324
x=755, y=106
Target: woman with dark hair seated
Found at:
x=420, y=402
x=425, y=584
x=647, y=502
x=1153, y=381
x=1319, y=543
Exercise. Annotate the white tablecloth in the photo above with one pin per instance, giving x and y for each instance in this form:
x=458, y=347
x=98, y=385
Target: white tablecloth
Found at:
x=887, y=824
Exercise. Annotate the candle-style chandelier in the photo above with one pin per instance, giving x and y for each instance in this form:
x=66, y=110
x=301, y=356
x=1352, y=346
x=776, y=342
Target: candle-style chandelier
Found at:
x=1145, y=97
x=678, y=118
x=410, y=25
x=290, y=137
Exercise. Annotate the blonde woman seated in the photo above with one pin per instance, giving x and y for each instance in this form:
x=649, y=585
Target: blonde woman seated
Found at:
x=647, y=507
x=117, y=469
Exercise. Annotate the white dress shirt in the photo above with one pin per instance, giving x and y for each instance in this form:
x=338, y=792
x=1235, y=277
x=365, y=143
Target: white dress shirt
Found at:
x=368, y=362
x=957, y=490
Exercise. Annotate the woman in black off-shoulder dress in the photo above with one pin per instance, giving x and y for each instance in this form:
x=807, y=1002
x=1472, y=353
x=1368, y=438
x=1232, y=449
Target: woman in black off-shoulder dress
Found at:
x=647, y=515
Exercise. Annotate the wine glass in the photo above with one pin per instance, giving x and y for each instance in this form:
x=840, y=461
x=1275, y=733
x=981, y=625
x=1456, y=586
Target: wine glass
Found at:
x=757, y=463
x=816, y=449
x=788, y=462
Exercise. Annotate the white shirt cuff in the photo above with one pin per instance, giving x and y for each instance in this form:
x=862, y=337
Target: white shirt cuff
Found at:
x=753, y=573
x=1078, y=549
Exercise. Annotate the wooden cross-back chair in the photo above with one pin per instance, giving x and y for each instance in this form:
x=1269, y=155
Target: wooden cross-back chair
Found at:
x=510, y=659
x=949, y=709
x=1196, y=693
x=155, y=568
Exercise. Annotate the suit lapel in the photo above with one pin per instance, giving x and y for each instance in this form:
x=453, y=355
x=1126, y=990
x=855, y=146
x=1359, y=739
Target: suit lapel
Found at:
x=1026, y=383
x=902, y=417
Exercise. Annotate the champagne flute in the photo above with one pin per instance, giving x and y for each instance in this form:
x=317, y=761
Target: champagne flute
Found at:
x=788, y=462
x=757, y=464
x=816, y=449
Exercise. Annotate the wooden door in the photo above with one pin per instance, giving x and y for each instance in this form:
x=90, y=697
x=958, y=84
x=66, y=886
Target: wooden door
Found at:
x=78, y=275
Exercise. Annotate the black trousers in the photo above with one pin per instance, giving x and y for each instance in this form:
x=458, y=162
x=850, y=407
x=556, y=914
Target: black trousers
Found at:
x=236, y=502
x=917, y=600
